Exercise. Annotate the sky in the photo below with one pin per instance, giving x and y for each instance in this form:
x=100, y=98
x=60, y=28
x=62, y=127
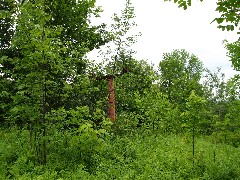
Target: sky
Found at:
x=165, y=27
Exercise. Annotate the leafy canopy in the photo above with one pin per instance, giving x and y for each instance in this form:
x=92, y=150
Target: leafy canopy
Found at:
x=180, y=73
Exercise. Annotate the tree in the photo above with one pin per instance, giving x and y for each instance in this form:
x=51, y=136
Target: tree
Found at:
x=233, y=103
x=233, y=88
x=225, y=113
x=222, y=104
x=180, y=73
x=215, y=86
x=48, y=60
x=194, y=114
x=74, y=17
x=75, y=37
x=118, y=52
x=118, y=62
x=215, y=94
x=234, y=54
x=7, y=11
x=230, y=14
x=229, y=20
x=139, y=79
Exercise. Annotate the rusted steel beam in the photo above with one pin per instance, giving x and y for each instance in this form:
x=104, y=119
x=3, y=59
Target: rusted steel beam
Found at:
x=111, y=96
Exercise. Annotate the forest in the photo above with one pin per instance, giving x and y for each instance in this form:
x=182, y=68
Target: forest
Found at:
x=64, y=116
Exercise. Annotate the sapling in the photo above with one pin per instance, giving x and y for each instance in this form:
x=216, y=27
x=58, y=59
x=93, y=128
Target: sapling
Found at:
x=195, y=109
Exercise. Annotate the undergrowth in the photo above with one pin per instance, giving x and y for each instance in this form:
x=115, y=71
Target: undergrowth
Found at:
x=135, y=156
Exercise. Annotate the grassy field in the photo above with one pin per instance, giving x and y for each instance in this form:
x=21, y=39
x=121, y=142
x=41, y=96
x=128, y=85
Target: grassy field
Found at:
x=138, y=156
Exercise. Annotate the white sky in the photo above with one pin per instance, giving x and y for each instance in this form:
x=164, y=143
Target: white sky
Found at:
x=166, y=27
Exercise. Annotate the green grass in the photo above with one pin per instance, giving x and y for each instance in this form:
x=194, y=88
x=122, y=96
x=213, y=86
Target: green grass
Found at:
x=140, y=156
x=170, y=157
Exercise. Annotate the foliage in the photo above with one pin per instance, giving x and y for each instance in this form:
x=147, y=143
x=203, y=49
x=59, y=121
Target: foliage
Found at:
x=117, y=54
x=234, y=54
x=45, y=69
x=215, y=88
x=7, y=12
x=157, y=113
x=150, y=111
x=195, y=110
x=194, y=114
x=180, y=73
x=233, y=88
x=139, y=156
x=183, y=3
x=139, y=78
x=74, y=17
x=222, y=100
x=229, y=10
x=54, y=107
x=69, y=38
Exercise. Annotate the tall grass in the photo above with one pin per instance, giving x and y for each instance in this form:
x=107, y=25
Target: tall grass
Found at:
x=139, y=156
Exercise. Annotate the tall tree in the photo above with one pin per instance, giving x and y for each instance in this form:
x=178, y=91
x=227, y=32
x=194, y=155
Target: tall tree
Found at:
x=118, y=59
x=139, y=79
x=76, y=37
x=215, y=93
x=48, y=60
x=180, y=73
x=118, y=52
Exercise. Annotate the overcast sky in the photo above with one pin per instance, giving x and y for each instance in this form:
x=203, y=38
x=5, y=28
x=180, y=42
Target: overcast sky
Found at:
x=165, y=27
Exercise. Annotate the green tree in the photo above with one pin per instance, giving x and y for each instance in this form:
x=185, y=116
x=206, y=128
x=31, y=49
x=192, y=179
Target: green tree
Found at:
x=131, y=75
x=234, y=54
x=180, y=73
x=7, y=12
x=216, y=95
x=226, y=123
x=229, y=14
x=76, y=37
x=48, y=62
x=233, y=88
x=215, y=85
x=118, y=52
x=233, y=103
x=155, y=112
x=74, y=17
x=194, y=115
x=139, y=79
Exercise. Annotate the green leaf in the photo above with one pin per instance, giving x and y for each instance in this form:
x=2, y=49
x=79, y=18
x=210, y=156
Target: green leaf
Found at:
x=219, y=20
